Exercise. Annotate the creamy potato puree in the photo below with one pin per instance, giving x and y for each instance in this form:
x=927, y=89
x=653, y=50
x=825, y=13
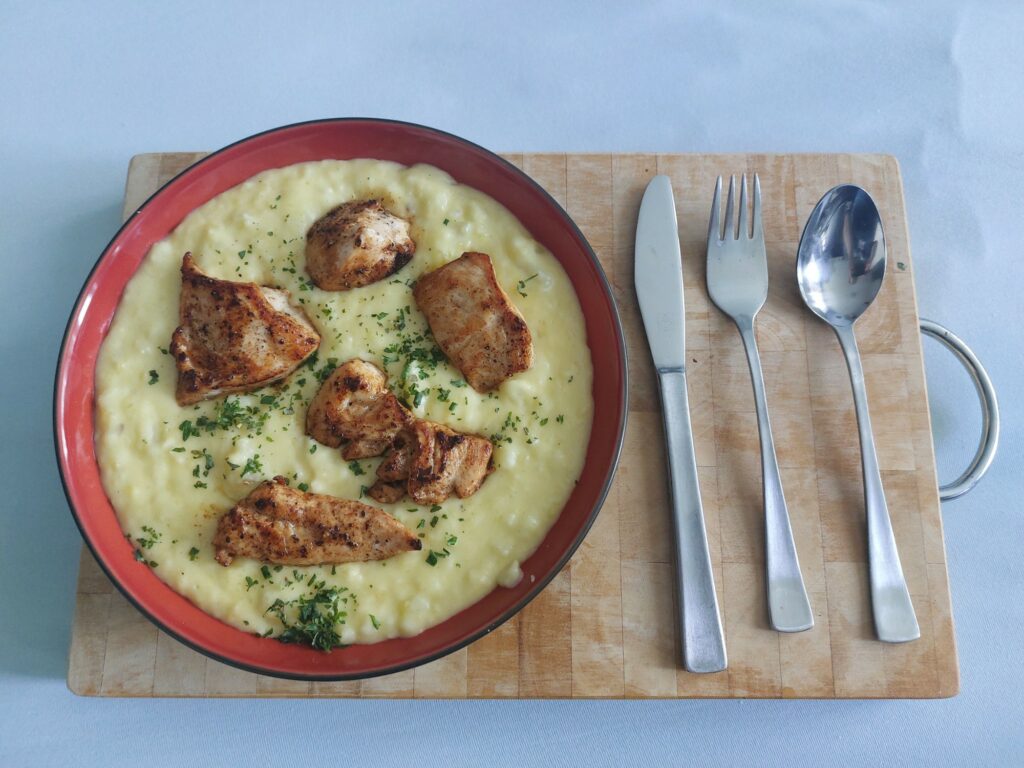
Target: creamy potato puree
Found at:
x=170, y=481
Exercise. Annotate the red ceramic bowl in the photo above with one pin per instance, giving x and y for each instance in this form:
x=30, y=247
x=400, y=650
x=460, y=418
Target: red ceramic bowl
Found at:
x=339, y=139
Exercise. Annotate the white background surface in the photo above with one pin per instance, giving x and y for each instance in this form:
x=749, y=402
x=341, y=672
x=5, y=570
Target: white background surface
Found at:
x=939, y=85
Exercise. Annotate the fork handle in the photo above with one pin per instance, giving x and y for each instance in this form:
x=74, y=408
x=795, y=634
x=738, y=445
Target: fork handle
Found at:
x=788, y=606
x=700, y=625
x=895, y=620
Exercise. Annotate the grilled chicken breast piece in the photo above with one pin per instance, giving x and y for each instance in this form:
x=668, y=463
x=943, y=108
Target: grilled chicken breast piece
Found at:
x=234, y=336
x=474, y=322
x=431, y=462
x=356, y=244
x=279, y=524
x=355, y=407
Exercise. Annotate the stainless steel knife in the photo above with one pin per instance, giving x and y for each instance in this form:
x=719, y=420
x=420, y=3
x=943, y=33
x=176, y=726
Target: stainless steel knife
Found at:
x=658, y=275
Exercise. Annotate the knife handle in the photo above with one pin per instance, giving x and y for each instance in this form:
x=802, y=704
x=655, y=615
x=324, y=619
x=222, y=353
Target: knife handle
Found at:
x=703, y=641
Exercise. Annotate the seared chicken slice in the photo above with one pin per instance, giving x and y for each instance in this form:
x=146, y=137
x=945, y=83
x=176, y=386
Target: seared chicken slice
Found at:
x=234, y=336
x=279, y=524
x=356, y=244
x=355, y=407
x=474, y=322
x=393, y=471
x=433, y=462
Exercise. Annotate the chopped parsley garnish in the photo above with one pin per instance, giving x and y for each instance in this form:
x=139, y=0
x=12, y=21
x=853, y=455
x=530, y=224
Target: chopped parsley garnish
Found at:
x=446, y=222
x=328, y=368
x=193, y=553
x=152, y=536
x=521, y=285
x=303, y=487
x=154, y=377
x=373, y=620
x=313, y=619
x=434, y=556
x=205, y=466
x=250, y=582
x=265, y=572
x=252, y=466
x=227, y=414
x=560, y=418
x=511, y=424
x=357, y=468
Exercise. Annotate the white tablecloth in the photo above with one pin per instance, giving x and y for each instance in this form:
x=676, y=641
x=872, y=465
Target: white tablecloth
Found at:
x=939, y=85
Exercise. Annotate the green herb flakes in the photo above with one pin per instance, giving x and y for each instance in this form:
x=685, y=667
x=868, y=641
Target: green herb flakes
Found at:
x=253, y=466
x=521, y=285
x=313, y=619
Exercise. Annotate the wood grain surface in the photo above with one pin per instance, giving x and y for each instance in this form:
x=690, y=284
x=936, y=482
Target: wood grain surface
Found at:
x=605, y=626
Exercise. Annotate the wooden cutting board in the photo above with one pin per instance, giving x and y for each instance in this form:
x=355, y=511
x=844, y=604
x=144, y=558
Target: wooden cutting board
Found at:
x=605, y=626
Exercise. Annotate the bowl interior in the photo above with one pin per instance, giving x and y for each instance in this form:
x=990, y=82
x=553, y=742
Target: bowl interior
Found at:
x=331, y=139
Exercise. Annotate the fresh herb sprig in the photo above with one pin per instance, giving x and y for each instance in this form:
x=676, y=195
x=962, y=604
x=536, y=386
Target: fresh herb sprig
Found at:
x=313, y=619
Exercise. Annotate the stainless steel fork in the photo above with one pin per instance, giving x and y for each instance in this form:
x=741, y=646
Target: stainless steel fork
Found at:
x=738, y=284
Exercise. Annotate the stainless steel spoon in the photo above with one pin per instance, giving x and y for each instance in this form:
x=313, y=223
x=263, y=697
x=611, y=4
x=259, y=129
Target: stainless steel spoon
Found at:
x=840, y=266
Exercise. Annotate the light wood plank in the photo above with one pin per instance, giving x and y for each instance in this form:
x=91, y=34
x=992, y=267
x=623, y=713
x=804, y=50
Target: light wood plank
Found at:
x=442, y=679
x=492, y=667
x=179, y=670
x=224, y=680
x=398, y=685
x=89, y=632
x=129, y=656
x=545, y=641
x=606, y=625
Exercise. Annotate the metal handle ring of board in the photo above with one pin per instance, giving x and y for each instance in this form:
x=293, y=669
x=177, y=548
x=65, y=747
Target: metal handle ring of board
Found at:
x=989, y=441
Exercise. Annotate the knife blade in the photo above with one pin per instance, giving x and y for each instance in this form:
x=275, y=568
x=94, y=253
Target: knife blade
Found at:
x=658, y=277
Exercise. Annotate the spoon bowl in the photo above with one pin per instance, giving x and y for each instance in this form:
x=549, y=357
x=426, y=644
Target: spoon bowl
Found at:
x=841, y=260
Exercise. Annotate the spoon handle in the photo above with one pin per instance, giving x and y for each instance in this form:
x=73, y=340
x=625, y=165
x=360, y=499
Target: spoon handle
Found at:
x=788, y=607
x=895, y=621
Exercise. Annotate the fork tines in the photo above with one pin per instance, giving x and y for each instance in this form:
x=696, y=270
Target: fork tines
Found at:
x=741, y=229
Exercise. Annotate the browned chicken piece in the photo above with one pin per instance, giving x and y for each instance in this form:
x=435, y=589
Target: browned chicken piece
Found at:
x=432, y=462
x=355, y=407
x=356, y=244
x=279, y=524
x=235, y=336
x=474, y=322
x=393, y=471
